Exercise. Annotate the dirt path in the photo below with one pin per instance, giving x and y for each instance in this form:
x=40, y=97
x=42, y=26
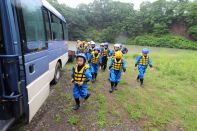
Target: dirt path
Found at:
x=102, y=111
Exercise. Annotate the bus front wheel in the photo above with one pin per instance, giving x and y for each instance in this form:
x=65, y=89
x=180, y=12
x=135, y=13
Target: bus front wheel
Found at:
x=57, y=73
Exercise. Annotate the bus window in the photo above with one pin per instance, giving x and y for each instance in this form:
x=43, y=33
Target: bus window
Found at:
x=1, y=38
x=47, y=24
x=65, y=32
x=33, y=24
x=56, y=28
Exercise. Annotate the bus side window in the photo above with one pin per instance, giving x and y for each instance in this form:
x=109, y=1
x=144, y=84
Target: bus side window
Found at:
x=47, y=24
x=1, y=38
x=34, y=25
x=65, y=31
x=56, y=28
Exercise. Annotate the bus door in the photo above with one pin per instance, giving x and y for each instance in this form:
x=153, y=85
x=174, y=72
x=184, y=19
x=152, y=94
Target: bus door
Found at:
x=12, y=87
x=35, y=52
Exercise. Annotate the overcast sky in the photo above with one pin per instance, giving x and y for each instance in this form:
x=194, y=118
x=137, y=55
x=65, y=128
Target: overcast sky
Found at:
x=74, y=3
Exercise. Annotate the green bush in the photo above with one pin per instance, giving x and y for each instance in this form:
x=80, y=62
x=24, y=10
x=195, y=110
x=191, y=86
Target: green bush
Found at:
x=192, y=31
x=160, y=29
x=169, y=41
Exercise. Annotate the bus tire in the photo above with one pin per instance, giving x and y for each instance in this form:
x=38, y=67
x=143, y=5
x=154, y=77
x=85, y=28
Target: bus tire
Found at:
x=57, y=74
x=72, y=59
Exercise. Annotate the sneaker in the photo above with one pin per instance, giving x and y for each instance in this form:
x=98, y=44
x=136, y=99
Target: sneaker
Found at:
x=142, y=85
x=111, y=90
x=86, y=98
x=76, y=107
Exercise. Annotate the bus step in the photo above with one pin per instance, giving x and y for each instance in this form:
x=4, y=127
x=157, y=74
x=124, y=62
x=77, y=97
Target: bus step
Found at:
x=5, y=124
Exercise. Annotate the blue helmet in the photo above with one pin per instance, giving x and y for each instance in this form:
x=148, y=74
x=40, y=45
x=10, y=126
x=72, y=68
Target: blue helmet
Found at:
x=96, y=48
x=81, y=55
x=106, y=44
x=145, y=51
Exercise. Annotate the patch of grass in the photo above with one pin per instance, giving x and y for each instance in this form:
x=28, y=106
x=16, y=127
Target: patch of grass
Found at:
x=82, y=128
x=67, y=110
x=170, y=91
x=73, y=120
x=169, y=94
x=101, y=115
x=102, y=110
x=123, y=82
x=57, y=118
x=44, y=129
x=134, y=114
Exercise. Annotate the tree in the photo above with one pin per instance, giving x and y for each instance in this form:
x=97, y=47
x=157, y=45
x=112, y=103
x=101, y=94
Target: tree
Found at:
x=192, y=31
x=106, y=20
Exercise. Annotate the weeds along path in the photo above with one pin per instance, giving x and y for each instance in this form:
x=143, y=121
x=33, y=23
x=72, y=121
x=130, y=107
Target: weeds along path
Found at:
x=101, y=111
x=117, y=117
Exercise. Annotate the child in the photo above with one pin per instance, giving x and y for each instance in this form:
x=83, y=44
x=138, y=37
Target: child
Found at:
x=80, y=76
x=86, y=49
x=94, y=63
x=92, y=46
x=117, y=64
x=101, y=57
x=116, y=48
x=142, y=62
x=105, y=54
x=112, y=53
x=79, y=47
x=91, y=49
x=123, y=49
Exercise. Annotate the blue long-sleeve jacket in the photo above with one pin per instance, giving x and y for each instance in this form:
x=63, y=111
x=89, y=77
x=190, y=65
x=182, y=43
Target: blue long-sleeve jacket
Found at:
x=77, y=51
x=91, y=56
x=139, y=58
x=123, y=64
x=111, y=53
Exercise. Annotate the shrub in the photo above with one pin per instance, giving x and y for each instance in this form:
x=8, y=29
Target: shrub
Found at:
x=160, y=29
x=192, y=31
x=169, y=41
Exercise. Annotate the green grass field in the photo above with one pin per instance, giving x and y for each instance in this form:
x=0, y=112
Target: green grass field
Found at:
x=170, y=95
x=168, y=101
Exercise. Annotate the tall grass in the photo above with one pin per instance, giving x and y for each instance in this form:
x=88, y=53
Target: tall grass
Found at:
x=170, y=94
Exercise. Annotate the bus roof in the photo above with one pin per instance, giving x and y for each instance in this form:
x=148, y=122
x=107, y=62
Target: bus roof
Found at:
x=52, y=9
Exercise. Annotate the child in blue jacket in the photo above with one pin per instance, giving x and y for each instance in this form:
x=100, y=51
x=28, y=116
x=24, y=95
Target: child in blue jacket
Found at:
x=142, y=62
x=117, y=64
x=94, y=63
x=80, y=76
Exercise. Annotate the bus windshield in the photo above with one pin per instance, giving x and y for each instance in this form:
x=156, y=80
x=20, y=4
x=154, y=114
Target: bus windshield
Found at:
x=1, y=38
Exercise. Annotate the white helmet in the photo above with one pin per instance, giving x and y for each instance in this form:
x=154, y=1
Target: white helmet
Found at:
x=102, y=44
x=117, y=45
x=92, y=43
x=120, y=45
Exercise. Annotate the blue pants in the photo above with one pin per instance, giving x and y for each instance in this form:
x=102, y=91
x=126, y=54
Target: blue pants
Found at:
x=142, y=70
x=88, y=56
x=115, y=75
x=101, y=60
x=80, y=91
x=94, y=68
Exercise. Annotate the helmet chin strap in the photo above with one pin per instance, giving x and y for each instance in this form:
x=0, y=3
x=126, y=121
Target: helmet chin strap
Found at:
x=118, y=59
x=96, y=54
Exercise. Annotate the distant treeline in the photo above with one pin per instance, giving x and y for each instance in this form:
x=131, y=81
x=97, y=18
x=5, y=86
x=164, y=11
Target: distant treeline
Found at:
x=113, y=21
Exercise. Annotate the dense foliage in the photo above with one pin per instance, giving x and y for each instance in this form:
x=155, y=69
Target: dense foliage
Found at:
x=169, y=41
x=113, y=21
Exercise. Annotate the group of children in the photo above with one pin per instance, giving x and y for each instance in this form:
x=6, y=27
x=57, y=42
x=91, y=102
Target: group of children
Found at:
x=89, y=58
